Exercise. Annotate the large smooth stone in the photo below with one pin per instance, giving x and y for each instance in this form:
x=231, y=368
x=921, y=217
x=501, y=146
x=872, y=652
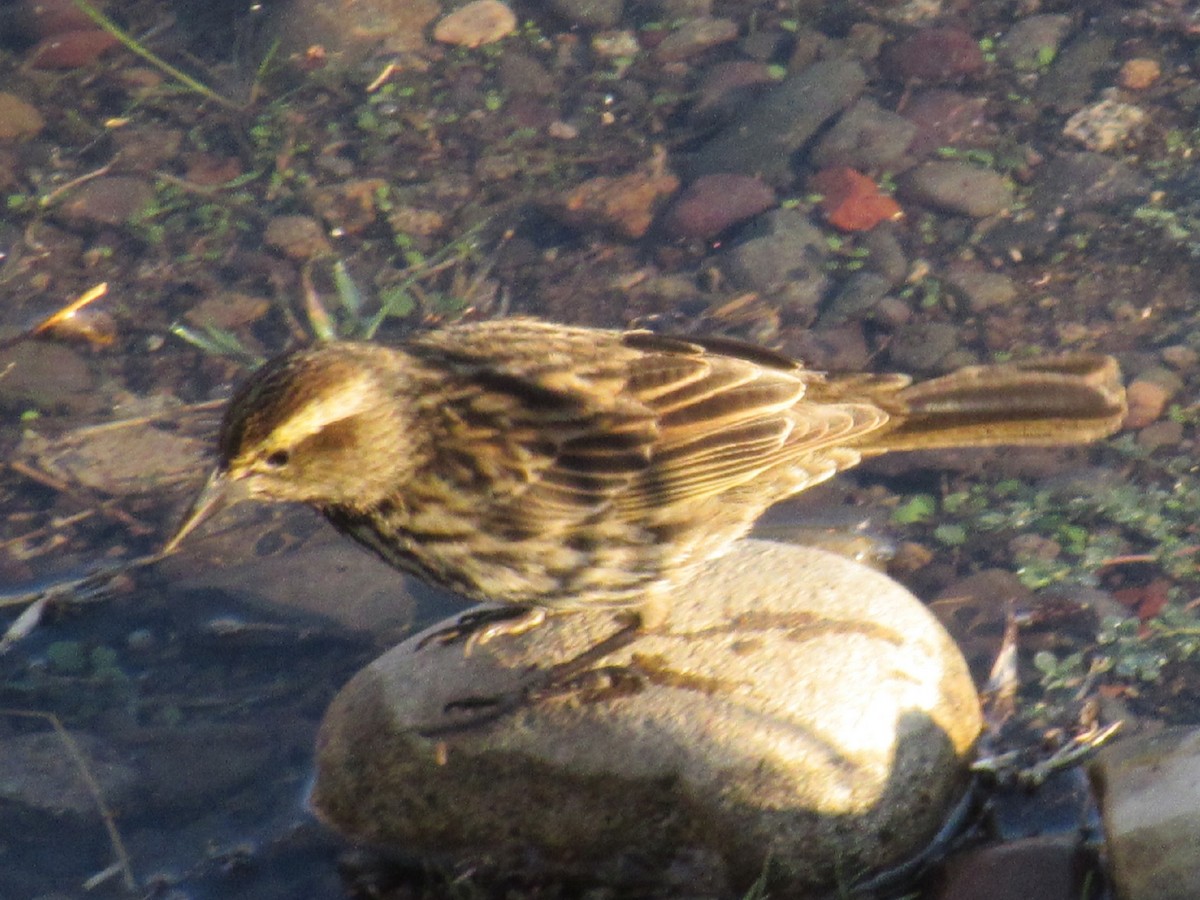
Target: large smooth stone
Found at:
x=801, y=714
x=1151, y=808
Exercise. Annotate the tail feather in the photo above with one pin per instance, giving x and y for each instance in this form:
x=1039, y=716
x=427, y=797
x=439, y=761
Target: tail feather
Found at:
x=1069, y=400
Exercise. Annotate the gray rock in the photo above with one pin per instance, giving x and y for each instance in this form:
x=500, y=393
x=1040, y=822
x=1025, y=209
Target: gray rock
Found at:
x=1033, y=41
x=856, y=299
x=982, y=290
x=799, y=709
x=1071, y=79
x=762, y=140
x=1072, y=182
x=590, y=13
x=1147, y=787
x=782, y=257
x=39, y=771
x=958, y=187
x=887, y=256
x=865, y=137
x=924, y=346
x=353, y=30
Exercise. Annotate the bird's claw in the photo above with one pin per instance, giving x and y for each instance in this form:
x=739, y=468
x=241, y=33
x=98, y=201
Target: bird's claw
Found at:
x=478, y=627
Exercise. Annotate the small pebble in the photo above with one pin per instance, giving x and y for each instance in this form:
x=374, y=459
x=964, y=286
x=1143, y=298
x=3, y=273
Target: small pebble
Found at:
x=108, y=200
x=479, y=22
x=1033, y=41
x=959, y=187
x=934, y=55
x=1139, y=74
x=1180, y=356
x=851, y=201
x=71, y=49
x=1149, y=395
x=694, y=37
x=18, y=119
x=1105, y=125
x=625, y=205
x=713, y=203
x=983, y=290
x=297, y=237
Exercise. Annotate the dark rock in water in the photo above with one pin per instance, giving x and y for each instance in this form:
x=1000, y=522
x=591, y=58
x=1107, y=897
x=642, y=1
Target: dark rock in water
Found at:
x=781, y=256
x=934, y=55
x=762, y=140
x=800, y=715
x=713, y=203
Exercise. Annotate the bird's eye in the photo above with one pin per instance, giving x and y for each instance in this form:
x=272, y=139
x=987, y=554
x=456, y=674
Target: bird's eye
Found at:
x=278, y=459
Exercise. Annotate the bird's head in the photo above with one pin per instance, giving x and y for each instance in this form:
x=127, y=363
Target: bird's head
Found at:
x=327, y=426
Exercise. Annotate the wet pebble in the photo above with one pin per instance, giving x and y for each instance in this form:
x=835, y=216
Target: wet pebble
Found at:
x=479, y=22
x=1038, y=868
x=1077, y=181
x=352, y=32
x=763, y=138
x=297, y=237
x=1070, y=81
x=38, y=771
x=958, y=187
x=1033, y=41
x=713, y=203
x=49, y=377
x=590, y=13
x=348, y=206
x=1147, y=787
x=695, y=37
x=781, y=255
x=946, y=118
x=851, y=201
x=71, y=49
x=923, y=346
x=106, y=201
x=982, y=290
x=865, y=136
x=624, y=205
x=726, y=87
x=1139, y=74
x=744, y=735
x=857, y=298
x=885, y=254
x=134, y=459
x=18, y=119
x=1148, y=394
x=1106, y=125
x=44, y=18
x=934, y=55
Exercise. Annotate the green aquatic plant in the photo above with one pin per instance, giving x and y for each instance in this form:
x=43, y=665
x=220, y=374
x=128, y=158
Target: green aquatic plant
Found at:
x=133, y=45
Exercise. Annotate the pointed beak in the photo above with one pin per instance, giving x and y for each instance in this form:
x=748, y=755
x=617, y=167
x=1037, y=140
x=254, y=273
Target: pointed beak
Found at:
x=220, y=492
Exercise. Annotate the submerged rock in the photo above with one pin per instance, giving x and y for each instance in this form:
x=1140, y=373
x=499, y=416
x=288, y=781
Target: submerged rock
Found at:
x=801, y=715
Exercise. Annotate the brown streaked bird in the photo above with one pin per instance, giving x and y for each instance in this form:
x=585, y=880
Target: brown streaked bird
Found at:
x=560, y=468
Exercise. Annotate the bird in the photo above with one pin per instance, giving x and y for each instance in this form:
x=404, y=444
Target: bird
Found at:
x=550, y=468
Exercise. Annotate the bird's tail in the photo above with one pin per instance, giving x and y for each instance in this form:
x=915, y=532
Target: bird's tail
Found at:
x=1064, y=400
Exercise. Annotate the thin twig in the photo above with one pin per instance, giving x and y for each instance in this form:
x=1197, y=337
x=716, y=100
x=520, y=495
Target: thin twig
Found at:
x=81, y=762
x=108, y=507
x=130, y=43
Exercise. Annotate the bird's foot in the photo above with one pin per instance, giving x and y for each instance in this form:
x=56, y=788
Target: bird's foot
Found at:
x=577, y=677
x=478, y=627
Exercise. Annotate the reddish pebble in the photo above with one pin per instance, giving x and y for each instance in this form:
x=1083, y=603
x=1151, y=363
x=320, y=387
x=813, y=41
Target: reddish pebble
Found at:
x=71, y=49
x=713, y=203
x=934, y=55
x=851, y=201
x=51, y=17
x=946, y=118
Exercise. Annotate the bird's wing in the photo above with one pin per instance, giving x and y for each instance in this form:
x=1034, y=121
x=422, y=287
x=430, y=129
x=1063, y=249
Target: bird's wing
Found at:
x=594, y=420
x=729, y=413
